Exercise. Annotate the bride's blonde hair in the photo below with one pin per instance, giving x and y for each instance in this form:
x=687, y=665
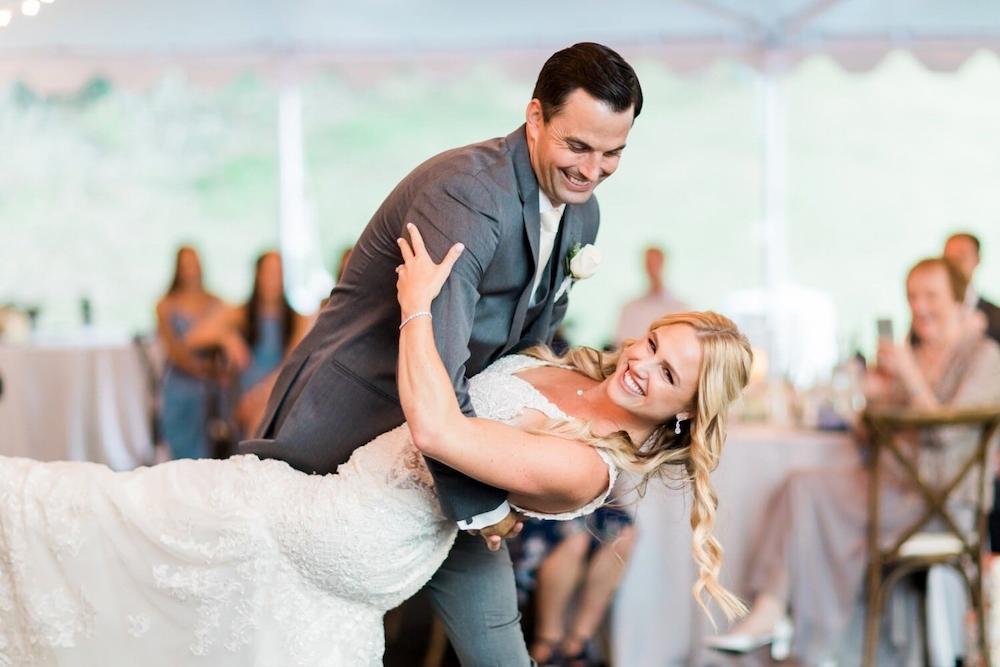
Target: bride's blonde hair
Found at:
x=725, y=371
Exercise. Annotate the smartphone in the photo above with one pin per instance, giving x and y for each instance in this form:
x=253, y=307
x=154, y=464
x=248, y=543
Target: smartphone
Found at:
x=884, y=326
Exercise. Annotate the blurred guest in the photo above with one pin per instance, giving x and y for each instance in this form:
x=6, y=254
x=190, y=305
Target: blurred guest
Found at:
x=963, y=250
x=255, y=337
x=583, y=558
x=811, y=554
x=657, y=302
x=183, y=415
x=15, y=324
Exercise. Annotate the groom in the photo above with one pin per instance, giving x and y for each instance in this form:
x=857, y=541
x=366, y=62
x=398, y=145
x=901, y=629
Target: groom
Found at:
x=520, y=204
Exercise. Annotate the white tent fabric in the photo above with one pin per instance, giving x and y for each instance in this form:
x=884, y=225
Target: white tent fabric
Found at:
x=71, y=41
x=133, y=43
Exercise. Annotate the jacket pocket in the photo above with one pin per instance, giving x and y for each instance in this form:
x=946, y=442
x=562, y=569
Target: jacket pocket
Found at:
x=358, y=379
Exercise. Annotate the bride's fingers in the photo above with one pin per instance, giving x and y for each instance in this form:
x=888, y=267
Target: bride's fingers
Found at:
x=404, y=248
x=417, y=240
x=449, y=260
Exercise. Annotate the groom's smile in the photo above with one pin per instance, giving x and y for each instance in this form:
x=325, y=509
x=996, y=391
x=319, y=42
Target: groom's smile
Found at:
x=576, y=181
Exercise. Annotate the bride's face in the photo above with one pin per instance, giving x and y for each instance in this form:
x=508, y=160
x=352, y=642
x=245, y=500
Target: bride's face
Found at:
x=657, y=376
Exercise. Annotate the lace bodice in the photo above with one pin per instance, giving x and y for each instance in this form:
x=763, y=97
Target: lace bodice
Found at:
x=498, y=393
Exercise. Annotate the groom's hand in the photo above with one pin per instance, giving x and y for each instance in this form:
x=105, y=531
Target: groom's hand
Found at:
x=506, y=529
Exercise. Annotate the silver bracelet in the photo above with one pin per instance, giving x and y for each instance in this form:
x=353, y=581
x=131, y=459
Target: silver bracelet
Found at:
x=422, y=313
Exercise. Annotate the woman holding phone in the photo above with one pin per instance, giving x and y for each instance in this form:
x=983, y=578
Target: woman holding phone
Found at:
x=811, y=554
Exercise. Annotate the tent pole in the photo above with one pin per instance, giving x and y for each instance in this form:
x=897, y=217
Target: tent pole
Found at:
x=774, y=244
x=306, y=280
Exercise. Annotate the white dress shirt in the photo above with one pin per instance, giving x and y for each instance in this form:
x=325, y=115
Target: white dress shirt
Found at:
x=550, y=216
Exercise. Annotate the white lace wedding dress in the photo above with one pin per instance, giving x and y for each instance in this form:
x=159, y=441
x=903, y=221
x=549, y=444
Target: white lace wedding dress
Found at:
x=238, y=562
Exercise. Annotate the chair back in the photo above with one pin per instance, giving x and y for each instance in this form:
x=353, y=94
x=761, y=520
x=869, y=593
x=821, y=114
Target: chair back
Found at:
x=885, y=427
x=914, y=551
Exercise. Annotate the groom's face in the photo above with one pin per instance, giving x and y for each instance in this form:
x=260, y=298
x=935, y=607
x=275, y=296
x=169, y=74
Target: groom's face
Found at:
x=577, y=147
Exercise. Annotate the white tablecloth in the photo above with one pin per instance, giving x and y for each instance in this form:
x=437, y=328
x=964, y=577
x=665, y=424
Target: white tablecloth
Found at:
x=75, y=400
x=656, y=621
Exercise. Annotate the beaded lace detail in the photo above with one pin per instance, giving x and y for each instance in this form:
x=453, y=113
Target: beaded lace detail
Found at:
x=500, y=394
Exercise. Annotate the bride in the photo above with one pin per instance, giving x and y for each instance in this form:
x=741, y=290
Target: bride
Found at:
x=250, y=562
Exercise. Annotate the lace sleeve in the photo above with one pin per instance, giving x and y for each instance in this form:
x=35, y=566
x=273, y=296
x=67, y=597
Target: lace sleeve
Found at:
x=586, y=509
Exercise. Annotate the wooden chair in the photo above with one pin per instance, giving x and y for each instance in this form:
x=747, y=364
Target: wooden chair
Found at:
x=917, y=550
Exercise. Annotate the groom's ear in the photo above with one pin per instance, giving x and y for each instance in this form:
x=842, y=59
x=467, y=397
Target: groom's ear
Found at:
x=533, y=115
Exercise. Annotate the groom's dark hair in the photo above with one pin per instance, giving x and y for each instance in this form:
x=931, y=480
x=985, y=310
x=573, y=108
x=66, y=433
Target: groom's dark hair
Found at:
x=596, y=69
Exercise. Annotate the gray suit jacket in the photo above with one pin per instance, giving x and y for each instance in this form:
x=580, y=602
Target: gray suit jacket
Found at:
x=992, y=313
x=337, y=390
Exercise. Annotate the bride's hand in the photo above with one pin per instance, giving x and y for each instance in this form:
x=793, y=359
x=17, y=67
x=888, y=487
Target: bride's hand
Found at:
x=420, y=279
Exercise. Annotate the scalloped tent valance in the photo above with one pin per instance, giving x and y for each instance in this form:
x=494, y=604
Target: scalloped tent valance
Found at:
x=132, y=43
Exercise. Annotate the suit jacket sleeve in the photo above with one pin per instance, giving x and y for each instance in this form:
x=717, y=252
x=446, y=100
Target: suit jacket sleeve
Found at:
x=992, y=313
x=453, y=210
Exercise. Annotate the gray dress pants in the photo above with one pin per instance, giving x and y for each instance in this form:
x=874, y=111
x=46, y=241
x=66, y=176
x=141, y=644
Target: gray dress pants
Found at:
x=473, y=593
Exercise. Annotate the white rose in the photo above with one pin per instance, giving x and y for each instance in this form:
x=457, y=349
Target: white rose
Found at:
x=584, y=263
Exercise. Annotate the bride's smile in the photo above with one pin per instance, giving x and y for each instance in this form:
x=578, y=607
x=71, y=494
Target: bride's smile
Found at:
x=657, y=376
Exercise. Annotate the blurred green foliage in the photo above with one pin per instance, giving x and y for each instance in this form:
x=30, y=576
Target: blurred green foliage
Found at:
x=98, y=188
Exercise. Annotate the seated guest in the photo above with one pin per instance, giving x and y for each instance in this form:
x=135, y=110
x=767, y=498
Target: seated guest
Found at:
x=255, y=337
x=811, y=554
x=183, y=418
x=657, y=301
x=584, y=557
x=963, y=251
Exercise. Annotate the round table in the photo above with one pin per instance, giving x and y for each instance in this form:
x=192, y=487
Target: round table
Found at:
x=656, y=621
x=83, y=398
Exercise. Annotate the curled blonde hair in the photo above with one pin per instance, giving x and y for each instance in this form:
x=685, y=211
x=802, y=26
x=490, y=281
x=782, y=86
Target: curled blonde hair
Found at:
x=725, y=372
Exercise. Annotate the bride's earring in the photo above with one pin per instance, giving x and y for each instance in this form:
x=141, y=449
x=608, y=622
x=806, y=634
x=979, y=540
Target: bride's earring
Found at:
x=677, y=428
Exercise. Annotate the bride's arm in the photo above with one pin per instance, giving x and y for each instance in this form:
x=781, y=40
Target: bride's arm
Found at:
x=544, y=473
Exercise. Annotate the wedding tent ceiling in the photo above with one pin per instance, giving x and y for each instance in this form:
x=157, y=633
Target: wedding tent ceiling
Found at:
x=71, y=41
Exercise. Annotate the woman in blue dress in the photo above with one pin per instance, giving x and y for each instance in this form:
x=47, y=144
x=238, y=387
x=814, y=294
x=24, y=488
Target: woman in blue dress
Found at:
x=255, y=337
x=183, y=412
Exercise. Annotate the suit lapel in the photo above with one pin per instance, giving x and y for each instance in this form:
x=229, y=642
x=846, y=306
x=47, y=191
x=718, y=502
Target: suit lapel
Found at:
x=532, y=229
x=527, y=186
x=569, y=236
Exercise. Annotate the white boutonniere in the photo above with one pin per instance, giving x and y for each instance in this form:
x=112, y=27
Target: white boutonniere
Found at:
x=581, y=263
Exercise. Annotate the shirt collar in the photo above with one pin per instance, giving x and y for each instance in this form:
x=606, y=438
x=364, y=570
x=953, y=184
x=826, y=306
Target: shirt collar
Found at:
x=544, y=205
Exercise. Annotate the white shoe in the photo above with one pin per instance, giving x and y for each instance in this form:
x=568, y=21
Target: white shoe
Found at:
x=780, y=639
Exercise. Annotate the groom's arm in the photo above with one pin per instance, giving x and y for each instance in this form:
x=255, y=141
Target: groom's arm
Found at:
x=459, y=210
